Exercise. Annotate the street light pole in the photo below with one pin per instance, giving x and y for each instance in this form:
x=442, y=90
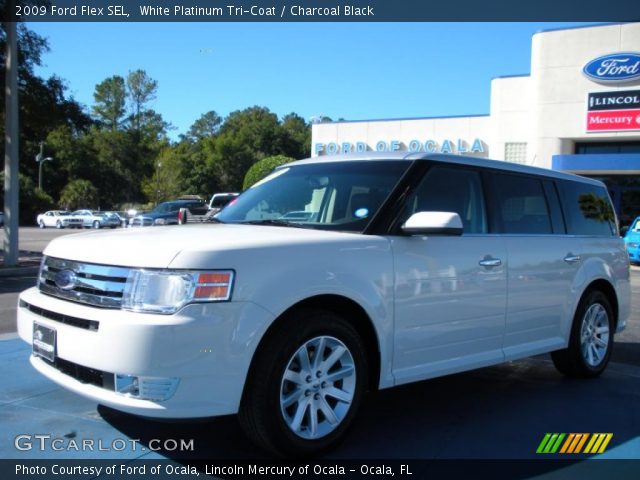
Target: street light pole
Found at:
x=42, y=160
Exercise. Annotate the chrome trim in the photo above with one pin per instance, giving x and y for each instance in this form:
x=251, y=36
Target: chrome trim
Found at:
x=490, y=262
x=572, y=258
x=96, y=285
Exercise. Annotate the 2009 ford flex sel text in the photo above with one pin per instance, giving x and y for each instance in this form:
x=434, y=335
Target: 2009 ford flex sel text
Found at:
x=401, y=269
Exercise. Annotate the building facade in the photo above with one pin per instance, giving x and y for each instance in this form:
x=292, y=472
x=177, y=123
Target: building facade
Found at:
x=577, y=111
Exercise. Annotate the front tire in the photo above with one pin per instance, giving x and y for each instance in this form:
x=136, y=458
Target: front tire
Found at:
x=306, y=384
x=41, y=224
x=591, y=338
x=96, y=224
x=58, y=224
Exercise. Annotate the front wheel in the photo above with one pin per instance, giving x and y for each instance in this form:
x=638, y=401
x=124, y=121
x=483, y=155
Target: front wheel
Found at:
x=591, y=338
x=41, y=224
x=306, y=385
x=58, y=224
x=96, y=224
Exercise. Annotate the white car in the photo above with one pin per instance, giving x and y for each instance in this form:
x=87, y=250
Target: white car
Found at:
x=58, y=219
x=410, y=268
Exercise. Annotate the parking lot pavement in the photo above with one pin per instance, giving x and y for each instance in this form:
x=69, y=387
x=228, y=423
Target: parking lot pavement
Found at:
x=498, y=412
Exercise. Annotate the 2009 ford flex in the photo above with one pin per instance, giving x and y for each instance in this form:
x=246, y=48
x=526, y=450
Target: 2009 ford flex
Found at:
x=401, y=269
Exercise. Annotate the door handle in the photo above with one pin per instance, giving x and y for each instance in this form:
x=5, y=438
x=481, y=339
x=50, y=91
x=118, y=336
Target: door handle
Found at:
x=490, y=262
x=570, y=258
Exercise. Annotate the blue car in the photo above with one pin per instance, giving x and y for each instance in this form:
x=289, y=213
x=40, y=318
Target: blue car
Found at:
x=632, y=240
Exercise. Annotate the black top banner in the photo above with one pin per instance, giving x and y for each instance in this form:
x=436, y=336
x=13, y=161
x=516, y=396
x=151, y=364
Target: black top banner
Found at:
x=319, y=10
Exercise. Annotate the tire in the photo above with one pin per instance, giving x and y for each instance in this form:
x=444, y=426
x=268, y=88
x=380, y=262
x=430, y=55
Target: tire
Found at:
x=591, y=339
x=96, y=224
x=271, y=404
x=41, y=224
x=59, y=224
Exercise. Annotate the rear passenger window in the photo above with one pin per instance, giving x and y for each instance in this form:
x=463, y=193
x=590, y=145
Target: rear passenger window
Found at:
x=451, y=190
x=588, y=210
x=522, y=205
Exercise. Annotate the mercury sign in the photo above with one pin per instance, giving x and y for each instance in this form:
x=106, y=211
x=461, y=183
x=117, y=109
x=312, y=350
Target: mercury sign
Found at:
x=459, y=146
x=614, y=68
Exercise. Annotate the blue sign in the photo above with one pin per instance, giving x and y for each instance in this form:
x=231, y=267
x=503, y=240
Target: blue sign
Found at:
x=615, y=67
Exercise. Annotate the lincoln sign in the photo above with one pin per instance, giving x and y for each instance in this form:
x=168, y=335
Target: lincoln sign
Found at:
x=613, y=111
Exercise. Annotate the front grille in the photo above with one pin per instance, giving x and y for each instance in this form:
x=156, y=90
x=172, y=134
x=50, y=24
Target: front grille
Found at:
x=91, y=325
x=83, y=374
x=96, y=285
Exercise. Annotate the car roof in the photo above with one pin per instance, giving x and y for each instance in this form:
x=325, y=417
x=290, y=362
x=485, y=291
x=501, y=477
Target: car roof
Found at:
x=444, y=158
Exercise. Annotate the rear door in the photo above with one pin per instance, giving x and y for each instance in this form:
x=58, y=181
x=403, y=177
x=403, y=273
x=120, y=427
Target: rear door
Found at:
x=543, y=262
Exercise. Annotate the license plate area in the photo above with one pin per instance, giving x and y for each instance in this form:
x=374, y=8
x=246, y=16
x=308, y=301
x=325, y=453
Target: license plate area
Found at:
x=44, y=341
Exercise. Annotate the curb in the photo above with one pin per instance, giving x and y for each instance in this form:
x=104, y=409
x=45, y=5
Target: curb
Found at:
x=19, y=272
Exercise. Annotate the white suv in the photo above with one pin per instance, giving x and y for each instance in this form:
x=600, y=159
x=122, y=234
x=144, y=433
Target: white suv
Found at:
x=402, y=269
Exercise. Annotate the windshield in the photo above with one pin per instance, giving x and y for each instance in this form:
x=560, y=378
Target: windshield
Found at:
x=329, y=195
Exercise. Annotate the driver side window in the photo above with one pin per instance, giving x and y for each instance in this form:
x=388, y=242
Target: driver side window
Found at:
x=445, y=189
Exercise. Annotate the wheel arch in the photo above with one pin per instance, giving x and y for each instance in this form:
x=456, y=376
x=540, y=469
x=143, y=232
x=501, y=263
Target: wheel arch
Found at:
x=609, y=291
x=345, y=307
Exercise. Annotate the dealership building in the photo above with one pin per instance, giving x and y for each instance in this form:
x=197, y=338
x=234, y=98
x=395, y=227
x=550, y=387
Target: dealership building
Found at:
x=577, y=111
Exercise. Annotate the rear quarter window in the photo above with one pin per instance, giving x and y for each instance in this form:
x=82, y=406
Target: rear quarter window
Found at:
x=587, y=209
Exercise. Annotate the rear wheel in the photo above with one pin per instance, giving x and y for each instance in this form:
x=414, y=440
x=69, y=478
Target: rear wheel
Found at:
x=305, y=386
x=591, y=338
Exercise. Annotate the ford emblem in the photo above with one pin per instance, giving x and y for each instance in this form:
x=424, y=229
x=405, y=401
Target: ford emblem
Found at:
x=65, y=279
x=614, y=68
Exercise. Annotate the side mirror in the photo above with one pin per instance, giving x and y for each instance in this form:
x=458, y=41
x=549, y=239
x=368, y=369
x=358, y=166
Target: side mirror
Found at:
x=433, y=223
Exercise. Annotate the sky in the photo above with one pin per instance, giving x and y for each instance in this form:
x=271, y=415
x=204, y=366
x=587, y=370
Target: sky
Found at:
x=340, y=70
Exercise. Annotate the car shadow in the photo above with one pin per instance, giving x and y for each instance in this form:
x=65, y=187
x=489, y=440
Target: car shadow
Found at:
x=496, y=413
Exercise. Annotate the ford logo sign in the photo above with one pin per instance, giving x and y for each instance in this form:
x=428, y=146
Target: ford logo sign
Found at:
x=616, y=67
x=65, y=279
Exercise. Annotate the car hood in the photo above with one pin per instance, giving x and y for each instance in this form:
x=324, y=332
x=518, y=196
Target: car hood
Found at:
x=157, y=248
x=632, y=237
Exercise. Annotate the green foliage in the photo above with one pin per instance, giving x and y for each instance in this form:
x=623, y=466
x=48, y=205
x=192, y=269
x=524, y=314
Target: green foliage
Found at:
x=264, y=167
x=141, y=90
x=109, y=97
x=79, y=194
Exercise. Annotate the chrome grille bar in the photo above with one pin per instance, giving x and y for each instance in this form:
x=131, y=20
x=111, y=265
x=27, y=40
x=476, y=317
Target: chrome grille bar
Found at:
x=96, y=285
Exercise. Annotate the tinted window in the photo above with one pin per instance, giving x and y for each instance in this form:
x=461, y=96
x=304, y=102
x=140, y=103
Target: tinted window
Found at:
x=522, y=205
x=587, y=208
x=451, y=190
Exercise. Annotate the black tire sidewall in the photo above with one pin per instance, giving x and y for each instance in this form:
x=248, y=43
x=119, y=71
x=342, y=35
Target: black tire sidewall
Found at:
x=591, y=298
x=312, y=324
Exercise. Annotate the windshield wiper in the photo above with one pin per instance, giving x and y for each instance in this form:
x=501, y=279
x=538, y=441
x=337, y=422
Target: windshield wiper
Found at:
x=275, y=222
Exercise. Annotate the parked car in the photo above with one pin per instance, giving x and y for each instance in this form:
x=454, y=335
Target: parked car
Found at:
x=410, y=268
x=632, y=241
x=220, y=200
x=167, y=213
x=58, y=219
x=97, y=219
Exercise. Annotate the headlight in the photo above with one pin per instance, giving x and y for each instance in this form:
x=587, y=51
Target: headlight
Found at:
x=159, y=221
x=161, y=291
x=632, y=245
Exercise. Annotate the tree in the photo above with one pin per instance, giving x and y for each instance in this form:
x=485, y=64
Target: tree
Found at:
x=109, y=107
x=206, y=126
x=141, y=90
x=296, y=136
x=262, y=168
x=79, y=194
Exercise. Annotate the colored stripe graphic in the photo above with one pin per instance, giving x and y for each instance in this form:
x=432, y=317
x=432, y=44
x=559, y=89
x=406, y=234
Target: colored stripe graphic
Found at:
x=597, y=443
x=550, y=443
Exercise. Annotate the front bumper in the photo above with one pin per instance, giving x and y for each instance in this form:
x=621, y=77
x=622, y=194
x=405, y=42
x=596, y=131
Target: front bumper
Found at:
x=208, y=347
x=634, y=254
